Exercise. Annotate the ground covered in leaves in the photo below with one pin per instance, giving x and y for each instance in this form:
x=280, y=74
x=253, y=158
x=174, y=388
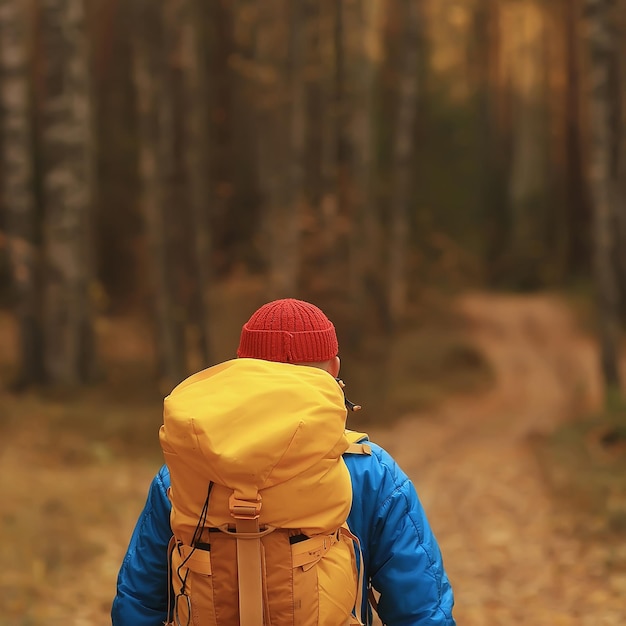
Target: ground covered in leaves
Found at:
x=525, y=495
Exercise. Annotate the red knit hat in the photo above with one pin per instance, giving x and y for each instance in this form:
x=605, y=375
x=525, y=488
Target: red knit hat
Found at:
x=288, y=331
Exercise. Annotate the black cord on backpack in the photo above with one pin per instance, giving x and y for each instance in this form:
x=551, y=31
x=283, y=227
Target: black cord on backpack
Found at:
x=197, y=533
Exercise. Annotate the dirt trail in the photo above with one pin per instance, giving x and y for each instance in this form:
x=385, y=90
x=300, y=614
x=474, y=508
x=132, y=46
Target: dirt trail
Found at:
x=509, y=551
x=512, y=555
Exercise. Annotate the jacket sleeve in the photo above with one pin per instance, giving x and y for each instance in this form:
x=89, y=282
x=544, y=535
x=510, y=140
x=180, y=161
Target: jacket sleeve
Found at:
x=403, y=559
x=142, y=593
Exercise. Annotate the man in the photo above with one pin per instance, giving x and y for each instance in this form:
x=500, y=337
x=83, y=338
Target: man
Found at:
x=401, y=557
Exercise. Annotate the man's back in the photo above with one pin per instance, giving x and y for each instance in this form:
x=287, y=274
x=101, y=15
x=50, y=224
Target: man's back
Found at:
x=401, y=558
x=400, y=553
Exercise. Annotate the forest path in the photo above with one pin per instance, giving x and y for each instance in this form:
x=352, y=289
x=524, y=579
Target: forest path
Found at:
x=513, y=553
x=509, y=549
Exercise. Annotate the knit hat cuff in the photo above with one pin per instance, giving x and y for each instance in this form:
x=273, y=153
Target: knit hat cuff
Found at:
x=310, y=346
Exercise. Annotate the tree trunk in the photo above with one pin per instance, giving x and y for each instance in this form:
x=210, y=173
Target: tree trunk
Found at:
x=280, y=140
x=602, y=49
x=18, y=195
x=286, y=256
x=402, y=164
x=493, y=124
x=361, y=54
x=329, y=117
x=240, y=88
x=156, y=145
x=577, y=193
x=287, y=209
x=528, y=178
x=196, y=159
x=620, y=150
x=68, y=187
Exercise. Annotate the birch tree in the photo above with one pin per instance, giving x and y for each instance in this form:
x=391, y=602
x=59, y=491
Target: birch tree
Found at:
x=187, y=187
x=18, y=184
x=68, y=187
x=155, y=154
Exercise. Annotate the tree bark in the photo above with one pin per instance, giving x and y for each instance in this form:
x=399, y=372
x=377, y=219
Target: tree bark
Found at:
x=280, y=140
x=361, y=53
x=620, y=150
x=495, y=131
x=68, y=186
x=402, y=165
x=18, y=195
x=155, y=153
x=287, y=224
x=196, y=159
x=602, y=48
x=329, y=85
x=577, y=194
x=528, y=180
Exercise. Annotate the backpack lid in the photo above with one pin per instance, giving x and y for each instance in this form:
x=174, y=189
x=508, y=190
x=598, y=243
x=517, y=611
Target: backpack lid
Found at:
x=250, y=424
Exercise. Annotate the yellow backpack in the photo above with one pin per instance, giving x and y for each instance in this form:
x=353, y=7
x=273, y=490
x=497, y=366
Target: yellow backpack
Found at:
x=260, y=495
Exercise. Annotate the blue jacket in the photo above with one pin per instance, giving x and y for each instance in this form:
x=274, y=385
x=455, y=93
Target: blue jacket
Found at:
x=400, y=553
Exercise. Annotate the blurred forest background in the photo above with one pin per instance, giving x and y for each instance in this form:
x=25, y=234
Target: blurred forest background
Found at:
x=167, y=167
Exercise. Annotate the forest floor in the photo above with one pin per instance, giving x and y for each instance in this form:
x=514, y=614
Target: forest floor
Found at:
x=528, y=537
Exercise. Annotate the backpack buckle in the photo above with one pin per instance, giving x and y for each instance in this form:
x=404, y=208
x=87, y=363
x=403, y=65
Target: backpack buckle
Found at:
x=245, y=509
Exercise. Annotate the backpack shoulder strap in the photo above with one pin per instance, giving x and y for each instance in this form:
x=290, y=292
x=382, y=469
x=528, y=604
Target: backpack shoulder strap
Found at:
x=250, y=570
x=358, y=443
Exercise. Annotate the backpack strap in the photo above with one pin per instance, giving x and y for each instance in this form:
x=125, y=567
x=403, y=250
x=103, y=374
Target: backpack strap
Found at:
x=307, y=553
x=170, y=549
x=356, y=619
x=372, y=599
x=249, y=559
x=358, y=443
